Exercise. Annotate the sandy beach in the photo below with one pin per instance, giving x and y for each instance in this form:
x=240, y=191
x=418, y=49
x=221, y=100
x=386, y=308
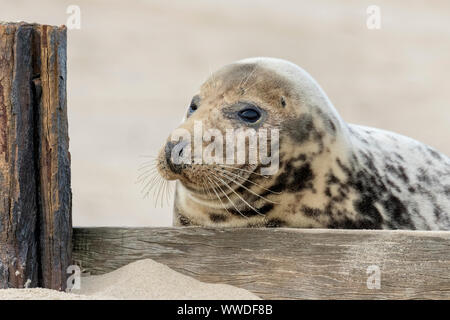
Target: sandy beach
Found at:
x=140, y=280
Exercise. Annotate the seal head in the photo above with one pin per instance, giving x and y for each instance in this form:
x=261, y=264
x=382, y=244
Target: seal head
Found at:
x=330, y=174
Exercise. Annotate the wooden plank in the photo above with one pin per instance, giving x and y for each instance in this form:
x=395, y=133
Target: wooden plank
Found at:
x=18, y=208
x=35, y=194
x=282, y=263
x=55, y=196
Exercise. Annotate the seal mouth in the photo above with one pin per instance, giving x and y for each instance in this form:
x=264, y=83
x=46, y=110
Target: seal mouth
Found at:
x=207, y=181
x=203, y=176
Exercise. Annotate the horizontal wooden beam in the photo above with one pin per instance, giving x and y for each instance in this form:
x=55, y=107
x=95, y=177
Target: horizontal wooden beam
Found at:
x=283, y=263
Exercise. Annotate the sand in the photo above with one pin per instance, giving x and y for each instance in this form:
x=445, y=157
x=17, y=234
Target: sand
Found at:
x=44, y=294
x=143, y=279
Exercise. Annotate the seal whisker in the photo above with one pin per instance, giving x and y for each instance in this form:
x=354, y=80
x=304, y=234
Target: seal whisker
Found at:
x=145, y=181
x=205, y=188
x=210, y=187
x=152, y=182
x=239, y=196
x=161, y=191
x=218, y=197
x=241, y=185
x=213, y=78
x=165, y=192
x=213, y=180
x=243, y=170
x=147, y=165
x=171, y=191
x=241, y=85
x=146, y=171
x=254, y=84
x=160, y=184
x=144, y=175
x=252, y=182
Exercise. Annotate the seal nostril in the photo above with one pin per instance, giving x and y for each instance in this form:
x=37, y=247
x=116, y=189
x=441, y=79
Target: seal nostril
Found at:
x=174, y=155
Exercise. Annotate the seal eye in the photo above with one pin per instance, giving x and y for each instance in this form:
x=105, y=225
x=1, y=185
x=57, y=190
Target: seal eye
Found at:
x=249, y=115
x=192, y=108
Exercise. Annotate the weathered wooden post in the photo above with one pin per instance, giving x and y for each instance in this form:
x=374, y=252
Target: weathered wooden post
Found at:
x=35, y=194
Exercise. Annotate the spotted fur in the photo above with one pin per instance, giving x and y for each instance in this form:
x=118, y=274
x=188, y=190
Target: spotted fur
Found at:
x=332, y=174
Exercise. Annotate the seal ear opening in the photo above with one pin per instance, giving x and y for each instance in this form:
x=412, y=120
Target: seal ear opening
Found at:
x=283, y=102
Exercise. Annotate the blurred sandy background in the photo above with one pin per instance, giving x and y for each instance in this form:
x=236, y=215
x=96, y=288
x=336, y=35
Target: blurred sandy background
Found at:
x=134, y=66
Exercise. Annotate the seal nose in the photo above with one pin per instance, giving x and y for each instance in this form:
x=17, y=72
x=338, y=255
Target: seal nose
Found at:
x=175, y=155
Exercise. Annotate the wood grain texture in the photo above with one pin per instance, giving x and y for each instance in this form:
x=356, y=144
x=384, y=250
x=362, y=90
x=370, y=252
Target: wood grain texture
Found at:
x=55, y=197
x=35, y=195
x=18, y=208
x=282, y=263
